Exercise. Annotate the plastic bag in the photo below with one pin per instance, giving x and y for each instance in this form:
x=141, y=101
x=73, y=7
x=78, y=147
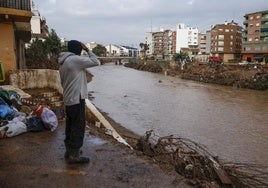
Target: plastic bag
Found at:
x=49, y=119
x=5, y=111
x=10, y=96
x=35, y=124
x=13, y=129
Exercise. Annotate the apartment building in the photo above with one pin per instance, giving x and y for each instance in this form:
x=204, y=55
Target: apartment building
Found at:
x=15, y=30
x=162, y=44
x=202, y=43
x=187, y=39
x=149, y=42
x=255, y=37
x=208, y=42
x=226, y=41
x=39, y=27
x=117, y=50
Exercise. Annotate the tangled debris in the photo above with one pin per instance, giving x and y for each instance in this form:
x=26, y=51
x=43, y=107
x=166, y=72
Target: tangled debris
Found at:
x=200, y=167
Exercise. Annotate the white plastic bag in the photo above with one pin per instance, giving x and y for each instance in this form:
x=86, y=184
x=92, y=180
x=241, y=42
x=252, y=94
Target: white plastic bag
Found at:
x=49, y=119
x=14, y=128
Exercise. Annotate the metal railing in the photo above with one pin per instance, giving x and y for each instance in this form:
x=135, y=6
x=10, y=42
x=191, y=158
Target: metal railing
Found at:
x=16, y=4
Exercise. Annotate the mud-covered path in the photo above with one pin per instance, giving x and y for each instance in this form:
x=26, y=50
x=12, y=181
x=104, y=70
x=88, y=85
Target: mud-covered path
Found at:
x=36, y=160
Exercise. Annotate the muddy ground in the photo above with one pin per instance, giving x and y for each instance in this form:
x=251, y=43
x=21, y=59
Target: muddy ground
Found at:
x=241, y=76
x=36, y=159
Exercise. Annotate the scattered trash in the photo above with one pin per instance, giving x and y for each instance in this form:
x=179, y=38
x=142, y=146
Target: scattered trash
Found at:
x=98, y=124
x=194, y=162
x=109, y=132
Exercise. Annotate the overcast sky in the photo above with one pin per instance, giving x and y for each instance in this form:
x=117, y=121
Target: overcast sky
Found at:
x=125, y=22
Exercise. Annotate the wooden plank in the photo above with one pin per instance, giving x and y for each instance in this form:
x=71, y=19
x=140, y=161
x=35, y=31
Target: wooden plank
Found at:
x=105, y=123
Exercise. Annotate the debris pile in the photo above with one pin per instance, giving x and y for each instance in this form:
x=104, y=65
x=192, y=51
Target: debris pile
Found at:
x=194, y=162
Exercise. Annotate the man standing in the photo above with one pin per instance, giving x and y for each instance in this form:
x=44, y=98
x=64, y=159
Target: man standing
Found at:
x=74, y=83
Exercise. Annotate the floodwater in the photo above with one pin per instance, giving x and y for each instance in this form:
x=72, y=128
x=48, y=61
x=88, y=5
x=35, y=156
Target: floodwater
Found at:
x=232, y=123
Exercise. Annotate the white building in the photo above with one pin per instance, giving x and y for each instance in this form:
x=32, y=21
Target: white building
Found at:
x=186, y=37
x=149, y=41
x=117, y=50
x=38, y=25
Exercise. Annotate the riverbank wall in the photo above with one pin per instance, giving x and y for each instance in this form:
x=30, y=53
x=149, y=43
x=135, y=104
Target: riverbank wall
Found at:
x=251, y=76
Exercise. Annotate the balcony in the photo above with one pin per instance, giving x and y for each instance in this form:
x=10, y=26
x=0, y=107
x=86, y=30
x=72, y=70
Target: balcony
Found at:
x=15, y=10
x=264, y=34
x=264, y=19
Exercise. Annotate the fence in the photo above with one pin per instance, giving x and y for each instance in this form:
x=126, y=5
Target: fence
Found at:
x=16, y=4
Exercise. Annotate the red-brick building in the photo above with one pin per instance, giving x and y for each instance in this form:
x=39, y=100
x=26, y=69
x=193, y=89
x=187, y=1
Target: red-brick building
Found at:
x=255, y=38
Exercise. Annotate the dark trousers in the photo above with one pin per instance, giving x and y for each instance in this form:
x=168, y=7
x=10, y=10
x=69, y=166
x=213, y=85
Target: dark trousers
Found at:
x=75, y=126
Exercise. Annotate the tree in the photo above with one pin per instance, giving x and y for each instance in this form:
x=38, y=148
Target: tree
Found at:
x=43, y=53
x=53, y=45
x=179, y=57
x=144, y=48
x=99, y=50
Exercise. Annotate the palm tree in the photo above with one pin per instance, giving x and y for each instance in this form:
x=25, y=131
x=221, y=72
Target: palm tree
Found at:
x=144, y=48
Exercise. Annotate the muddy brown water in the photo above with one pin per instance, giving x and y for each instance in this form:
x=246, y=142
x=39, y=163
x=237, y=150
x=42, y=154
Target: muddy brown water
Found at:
x=232, y=123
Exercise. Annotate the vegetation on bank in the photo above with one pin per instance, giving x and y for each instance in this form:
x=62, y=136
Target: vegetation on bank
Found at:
x=44, y=53
x=241, y=76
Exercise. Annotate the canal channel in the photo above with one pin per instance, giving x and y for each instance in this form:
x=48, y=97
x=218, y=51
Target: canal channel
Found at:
x=231, y=123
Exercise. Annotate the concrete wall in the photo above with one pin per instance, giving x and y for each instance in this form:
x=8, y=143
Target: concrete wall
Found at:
x=7, y=47
x=35, y=78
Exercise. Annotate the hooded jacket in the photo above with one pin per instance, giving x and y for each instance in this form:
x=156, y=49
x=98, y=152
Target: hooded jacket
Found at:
x=73, y=76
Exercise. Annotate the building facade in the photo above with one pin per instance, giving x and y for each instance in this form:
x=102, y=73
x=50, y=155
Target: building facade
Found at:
x=202, y=43
x=186, y=37
x=226, y=41
x=121, y=51
x=149, y=42
x=15, y=30
x=39, y=27
x=255, y=37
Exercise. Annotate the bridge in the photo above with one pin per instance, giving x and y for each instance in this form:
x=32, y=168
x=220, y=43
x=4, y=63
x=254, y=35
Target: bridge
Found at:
x=117, y=59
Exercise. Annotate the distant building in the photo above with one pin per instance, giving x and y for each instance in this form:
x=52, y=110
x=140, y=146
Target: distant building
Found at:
x=161, y=44
x=117, y=50
x=15, y=30
x=158, y=38
x=39, y=27
x=255, y=38
x=226, y=41
x=202, y=43
x=187, y=39
x=149, y=42
x=208, y=42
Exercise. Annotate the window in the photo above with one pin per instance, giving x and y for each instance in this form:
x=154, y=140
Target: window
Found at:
x=256, y=39
x=231, y=37
x=227, y=30
x=220, y=49
x=257, y=47
x=231, y=43
x=250, y=39
x=257, y=24
x=220, y=43
x=247, y=48
x=221, y=37
x=251, y=17
x=258, y=16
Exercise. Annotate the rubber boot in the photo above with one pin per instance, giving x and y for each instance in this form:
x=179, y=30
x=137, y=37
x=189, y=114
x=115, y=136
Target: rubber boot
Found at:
x=67, y=153
x=75, y=158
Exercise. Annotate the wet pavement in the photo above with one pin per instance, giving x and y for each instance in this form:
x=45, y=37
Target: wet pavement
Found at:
x=35, y=159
